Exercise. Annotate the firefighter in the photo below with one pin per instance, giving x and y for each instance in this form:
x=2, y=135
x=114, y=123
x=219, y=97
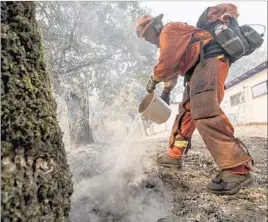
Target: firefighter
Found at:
x=190, y=52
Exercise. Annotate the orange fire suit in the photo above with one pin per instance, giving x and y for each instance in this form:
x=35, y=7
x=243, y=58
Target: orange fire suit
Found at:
x=200, y=107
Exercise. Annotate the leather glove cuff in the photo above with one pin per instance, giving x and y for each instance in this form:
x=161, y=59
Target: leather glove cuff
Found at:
x=151, y=85
x=165, y=92
x=165, y=96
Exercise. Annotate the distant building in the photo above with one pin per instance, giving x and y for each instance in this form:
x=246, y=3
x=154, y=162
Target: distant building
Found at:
x=245, y=99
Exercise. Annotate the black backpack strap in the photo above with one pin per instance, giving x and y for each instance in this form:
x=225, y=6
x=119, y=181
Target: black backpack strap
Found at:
x=202, y=57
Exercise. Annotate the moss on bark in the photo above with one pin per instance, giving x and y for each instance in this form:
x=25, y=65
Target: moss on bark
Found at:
x=36, y=180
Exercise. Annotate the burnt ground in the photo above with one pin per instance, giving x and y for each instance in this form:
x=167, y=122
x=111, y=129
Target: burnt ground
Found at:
x=142, y=191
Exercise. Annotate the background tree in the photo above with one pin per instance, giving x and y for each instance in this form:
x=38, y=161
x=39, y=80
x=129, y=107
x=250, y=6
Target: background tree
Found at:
x=35, y=179
x=92, y=49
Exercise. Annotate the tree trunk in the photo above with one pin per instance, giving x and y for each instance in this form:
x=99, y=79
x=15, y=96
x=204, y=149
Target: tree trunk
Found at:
x=81, y=132
x=36, y=180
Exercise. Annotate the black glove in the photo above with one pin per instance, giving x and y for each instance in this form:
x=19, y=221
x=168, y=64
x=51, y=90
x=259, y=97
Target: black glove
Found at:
x=165, y=96
x=151, y=85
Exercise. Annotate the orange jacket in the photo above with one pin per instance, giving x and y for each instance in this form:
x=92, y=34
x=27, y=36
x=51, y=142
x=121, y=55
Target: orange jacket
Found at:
x=176, y=54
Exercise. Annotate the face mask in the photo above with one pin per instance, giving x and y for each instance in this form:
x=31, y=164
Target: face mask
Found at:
x=158, y=26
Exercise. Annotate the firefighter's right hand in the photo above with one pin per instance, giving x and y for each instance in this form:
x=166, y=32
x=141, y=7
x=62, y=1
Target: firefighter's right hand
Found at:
x=165, y=96
x=151, y=85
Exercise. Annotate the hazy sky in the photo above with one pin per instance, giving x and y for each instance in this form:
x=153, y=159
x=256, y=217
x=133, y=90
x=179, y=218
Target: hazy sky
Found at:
x=250, y=12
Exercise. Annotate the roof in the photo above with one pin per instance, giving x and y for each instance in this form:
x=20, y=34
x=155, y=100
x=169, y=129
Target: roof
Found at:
x=247, y=75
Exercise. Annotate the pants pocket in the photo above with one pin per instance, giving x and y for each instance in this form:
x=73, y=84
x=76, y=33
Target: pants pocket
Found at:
x=203, y=91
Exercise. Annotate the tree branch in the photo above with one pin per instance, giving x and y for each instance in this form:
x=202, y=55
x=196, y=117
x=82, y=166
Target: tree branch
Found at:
x=80, y=66
x=44, y=11
x=71, y=38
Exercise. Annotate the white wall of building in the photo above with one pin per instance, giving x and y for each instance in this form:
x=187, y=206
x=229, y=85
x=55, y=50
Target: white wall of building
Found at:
x=249, y=109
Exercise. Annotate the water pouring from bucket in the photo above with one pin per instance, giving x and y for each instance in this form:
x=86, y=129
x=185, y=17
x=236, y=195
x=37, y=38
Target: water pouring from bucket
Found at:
x=151, y=108
x=154, y=108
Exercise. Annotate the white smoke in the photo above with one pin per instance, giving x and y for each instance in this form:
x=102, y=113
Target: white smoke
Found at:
x=114, y=185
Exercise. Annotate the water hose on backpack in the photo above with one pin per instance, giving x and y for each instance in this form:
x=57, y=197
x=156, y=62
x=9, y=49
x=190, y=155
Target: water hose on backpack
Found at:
x=260, y=25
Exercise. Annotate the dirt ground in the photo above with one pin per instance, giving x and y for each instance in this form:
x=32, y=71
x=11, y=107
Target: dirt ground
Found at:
x=141, y=191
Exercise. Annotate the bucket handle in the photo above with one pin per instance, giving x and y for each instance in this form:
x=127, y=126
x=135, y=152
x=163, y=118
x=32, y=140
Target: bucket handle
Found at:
x=152, y=93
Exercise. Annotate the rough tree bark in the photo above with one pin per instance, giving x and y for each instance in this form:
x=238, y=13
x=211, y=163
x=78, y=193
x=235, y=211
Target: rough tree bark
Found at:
x=36, y=181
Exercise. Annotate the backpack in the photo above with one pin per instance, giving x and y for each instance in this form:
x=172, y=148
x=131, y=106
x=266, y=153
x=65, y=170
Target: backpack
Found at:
x=237, y=41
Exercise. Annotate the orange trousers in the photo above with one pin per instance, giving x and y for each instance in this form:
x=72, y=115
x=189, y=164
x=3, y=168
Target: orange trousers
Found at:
x=200, y=109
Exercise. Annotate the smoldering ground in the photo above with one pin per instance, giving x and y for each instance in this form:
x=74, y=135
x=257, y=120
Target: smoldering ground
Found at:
x=141, y=191
x=112, y=183
x=103, y=193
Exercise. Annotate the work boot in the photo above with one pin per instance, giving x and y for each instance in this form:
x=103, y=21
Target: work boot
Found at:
x=167, y=161
x=228, y=183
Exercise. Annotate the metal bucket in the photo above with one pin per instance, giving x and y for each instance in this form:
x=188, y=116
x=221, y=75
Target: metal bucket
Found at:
x=154, y=108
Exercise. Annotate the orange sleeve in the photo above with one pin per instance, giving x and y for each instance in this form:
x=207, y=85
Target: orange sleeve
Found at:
x=173, y=43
